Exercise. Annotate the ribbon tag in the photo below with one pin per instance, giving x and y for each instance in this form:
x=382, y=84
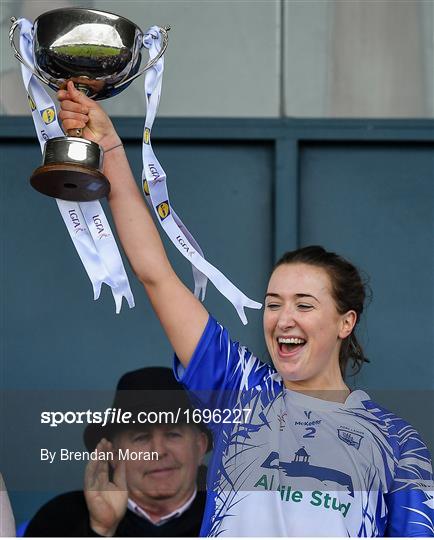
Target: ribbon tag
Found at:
x=86, y=222
x=156, y=194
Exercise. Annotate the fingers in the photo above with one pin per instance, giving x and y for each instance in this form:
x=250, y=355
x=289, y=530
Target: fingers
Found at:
x=79, y=97
x=79, y=111
x=71, y=94
x=96, y=476
x=120, y=475
x=72, y=120
x=73, y=124
x=66, y=115
x=72, y=114
x=72, y=106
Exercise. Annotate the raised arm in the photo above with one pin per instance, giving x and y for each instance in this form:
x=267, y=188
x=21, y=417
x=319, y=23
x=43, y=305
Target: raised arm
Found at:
x=183, y=317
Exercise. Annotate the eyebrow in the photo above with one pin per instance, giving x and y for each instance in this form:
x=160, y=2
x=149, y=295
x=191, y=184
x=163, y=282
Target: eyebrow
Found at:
x=297, y=295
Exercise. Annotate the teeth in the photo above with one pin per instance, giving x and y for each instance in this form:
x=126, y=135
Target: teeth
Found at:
x=295, y=341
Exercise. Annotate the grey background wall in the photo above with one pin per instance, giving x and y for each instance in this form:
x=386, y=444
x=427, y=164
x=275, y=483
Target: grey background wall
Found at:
x=250, y=183
x=270, y=58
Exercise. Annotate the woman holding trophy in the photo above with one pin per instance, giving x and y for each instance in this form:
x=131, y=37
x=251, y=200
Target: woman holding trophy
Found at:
x=296, y=452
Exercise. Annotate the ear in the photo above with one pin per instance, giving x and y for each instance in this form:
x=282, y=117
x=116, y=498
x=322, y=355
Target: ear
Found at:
x=348, y=321
x=202, y=443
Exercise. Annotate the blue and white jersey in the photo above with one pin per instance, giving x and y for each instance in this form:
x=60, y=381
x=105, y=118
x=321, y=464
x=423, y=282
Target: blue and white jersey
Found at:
x=295, y=465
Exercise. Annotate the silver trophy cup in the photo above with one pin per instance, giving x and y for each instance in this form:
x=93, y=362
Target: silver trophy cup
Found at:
x=101, y=53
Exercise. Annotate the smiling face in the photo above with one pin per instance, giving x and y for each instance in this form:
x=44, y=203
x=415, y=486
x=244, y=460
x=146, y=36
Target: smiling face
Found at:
x=303, y=329
x=171, y=479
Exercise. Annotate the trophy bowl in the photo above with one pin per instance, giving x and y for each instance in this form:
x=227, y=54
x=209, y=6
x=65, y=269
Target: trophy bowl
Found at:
x=100, y=52
x=94, y=49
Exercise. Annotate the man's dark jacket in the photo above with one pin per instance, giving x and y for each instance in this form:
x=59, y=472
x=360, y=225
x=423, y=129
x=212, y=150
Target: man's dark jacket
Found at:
x=67, y=515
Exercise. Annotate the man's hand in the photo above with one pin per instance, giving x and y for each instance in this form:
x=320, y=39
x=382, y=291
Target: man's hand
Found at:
x=106, y=501
x=79, y=111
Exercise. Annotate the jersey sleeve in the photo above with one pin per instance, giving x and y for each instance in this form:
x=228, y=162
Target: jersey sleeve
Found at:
x=410, y=499
x=219, y=369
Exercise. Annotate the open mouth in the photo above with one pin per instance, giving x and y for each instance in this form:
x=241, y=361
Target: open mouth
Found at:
x=290, y=345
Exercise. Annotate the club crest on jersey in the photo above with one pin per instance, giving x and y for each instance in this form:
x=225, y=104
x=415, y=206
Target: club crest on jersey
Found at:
x=147, y=136
x=145, y=187
x=48, y=115
x=352, y=439
x=32, y=104
x=163, y=210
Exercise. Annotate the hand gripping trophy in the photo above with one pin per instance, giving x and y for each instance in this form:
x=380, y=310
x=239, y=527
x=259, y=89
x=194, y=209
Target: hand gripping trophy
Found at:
x=101, y=53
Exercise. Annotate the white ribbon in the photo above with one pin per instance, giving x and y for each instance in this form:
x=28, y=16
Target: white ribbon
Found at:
x=86, y=222
x=155, y=190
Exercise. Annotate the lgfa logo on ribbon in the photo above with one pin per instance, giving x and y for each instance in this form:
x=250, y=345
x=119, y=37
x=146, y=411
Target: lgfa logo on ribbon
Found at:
x=48, y=115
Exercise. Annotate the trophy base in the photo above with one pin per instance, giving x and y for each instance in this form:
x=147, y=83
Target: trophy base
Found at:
x=70, y=182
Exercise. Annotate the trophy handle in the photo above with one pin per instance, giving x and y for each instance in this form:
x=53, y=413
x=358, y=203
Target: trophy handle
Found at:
x=163, y=32
x=17, y=54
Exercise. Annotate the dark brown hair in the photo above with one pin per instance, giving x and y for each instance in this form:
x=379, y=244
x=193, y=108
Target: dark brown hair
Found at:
x=348, y=291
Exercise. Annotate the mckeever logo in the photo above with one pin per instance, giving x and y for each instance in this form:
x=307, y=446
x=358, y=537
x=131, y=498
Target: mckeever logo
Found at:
x=163, y=210
x=147, y=136
x=48, y=115
x=307, y=422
